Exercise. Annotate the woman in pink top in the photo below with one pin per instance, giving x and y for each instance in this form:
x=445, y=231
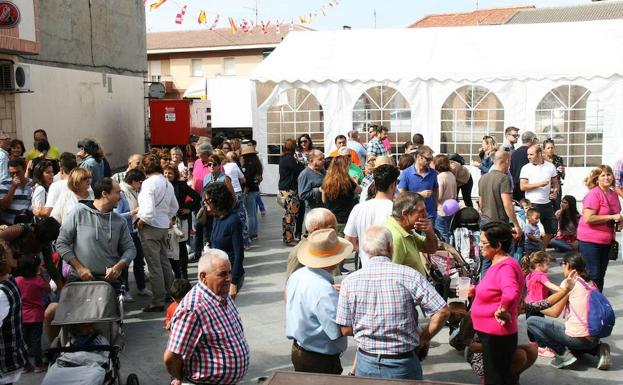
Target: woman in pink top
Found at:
x=573, y=333
x=200, y=170
x=601, y=216
x=496, y=305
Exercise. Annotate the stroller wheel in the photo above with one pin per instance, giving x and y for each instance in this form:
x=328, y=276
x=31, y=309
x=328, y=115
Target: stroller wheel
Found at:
x=132, y=379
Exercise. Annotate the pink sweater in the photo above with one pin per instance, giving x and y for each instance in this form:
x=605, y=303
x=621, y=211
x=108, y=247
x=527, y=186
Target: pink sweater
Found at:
x=501, y=286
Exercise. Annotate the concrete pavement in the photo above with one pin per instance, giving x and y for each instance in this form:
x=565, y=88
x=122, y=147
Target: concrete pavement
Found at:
x=261, y=306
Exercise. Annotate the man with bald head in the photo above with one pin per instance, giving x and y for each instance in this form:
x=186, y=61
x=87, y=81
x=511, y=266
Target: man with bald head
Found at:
x=310, y=181
x=207, y=343
x=316, y=219
x=134, y=161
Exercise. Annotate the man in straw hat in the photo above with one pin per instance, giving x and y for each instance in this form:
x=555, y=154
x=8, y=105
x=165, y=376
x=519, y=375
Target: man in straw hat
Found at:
x=312, y=302
x=374, y=211
x=368, y=180
x=386, y=331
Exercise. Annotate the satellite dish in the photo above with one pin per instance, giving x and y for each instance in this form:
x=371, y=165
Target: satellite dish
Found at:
x=157, y=90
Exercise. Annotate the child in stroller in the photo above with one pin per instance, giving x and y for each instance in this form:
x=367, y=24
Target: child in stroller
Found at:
x=86, y=352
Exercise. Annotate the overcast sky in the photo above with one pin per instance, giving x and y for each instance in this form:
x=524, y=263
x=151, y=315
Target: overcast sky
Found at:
x=355, y=13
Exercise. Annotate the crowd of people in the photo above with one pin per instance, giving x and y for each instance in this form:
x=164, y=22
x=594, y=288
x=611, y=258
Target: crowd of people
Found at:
x=66, y=217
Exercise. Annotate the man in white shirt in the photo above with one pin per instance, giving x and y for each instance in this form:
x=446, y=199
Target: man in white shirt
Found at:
x=539, y=180
x=374, y=211
x=5, y=148
x=156, y=207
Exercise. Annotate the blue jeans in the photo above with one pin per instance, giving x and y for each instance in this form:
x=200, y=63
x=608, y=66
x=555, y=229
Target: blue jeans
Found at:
x=596, y=257
x=260, y=203
x=560, y=245
x=404, y=368
x=250, y=202
x=442, y=225
x=551, y=333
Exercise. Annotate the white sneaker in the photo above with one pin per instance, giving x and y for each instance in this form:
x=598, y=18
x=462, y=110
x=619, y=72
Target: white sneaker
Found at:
x=145, y=293
x=604, y=356
x=127, y=297
x=563, y=360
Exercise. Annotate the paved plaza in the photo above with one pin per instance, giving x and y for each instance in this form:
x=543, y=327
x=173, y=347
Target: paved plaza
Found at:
x=262, y=308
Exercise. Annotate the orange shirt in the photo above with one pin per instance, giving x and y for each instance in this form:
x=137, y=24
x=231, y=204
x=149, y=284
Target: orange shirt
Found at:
x=170, y=311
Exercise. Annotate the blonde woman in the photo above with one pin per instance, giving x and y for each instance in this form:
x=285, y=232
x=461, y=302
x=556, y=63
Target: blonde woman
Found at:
x=78, y=188
x=485, y=153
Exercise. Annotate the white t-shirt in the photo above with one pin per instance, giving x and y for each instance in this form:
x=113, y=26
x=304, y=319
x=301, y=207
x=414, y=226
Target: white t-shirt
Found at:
x=38, y=197
x=55, y=191
x=539, y=173
x=65, y=203
x=365, y=215
x=234, y=173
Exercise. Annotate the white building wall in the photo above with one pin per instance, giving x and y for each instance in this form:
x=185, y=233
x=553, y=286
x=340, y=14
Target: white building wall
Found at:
x=72, y=104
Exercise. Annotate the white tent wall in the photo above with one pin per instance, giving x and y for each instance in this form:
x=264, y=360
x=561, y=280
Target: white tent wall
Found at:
x=426, y=97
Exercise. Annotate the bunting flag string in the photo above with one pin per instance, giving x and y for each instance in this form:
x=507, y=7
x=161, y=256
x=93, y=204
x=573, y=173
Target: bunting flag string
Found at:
x=179, y=18
x=243, y=25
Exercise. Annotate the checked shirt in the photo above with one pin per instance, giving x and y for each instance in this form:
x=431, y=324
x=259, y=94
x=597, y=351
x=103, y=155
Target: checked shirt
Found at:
x=379, y=302
x=206, y=331
x=376, y=147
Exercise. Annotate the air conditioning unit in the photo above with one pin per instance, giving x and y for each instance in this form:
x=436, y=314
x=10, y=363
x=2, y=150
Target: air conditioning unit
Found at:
x=14, y=77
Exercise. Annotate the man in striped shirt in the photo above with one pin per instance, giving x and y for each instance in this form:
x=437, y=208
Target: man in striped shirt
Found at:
x=207, y=343
x=15, y=193
x=377, y=305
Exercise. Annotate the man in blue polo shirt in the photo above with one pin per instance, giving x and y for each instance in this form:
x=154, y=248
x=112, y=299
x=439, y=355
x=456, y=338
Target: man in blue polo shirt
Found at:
x=422, y=179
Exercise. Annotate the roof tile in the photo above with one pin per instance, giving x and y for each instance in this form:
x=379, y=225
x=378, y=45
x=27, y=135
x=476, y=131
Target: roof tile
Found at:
x=491, y=16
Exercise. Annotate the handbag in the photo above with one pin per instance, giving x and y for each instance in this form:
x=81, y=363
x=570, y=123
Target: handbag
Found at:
x=613, y=253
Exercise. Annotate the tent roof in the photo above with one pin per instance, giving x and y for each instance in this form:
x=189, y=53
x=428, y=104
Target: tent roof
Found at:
x=522, y=51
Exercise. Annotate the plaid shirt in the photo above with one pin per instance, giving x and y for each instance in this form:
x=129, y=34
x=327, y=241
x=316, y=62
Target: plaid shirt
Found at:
x=376, y=147
x=618, y=173
x=207, y=332
x=379, y=302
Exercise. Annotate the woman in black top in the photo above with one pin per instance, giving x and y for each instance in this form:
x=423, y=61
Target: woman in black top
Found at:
x=42, y=147
x=226, y=231
x=252, y=170
x=550, y=156
x=289, y=170
x=338, y=191
x=182, y=192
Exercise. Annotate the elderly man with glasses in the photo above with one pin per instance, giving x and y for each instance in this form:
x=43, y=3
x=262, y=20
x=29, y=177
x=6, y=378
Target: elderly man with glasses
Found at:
x=423, y=180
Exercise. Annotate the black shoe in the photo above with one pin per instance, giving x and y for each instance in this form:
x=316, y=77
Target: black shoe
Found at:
x=153, y=309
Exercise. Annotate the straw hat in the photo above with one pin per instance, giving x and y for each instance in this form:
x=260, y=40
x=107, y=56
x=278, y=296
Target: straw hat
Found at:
x=324, y=248
x=381, y=160
x=248, y=150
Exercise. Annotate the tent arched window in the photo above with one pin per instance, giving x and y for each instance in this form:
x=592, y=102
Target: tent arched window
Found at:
x=384, y=106
x=295, y=112
x=572, y=116
x=467, y=115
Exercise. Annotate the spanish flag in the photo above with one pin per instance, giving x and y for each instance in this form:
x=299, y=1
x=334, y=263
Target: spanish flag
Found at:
x=202, y=18
x=155, y=5
x=232, y=25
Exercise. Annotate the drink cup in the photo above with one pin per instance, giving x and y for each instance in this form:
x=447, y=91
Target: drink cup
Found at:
x=464, y=286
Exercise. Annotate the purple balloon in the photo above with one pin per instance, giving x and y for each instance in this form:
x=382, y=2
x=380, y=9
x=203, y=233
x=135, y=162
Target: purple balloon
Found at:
x=450, y=207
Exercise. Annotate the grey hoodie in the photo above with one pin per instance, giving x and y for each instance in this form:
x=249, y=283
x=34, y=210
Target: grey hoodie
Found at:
x=99, y=240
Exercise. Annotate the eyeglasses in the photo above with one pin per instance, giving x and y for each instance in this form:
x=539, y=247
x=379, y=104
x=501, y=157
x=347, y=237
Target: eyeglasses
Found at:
x=166, y=158
x=428, y=159
x=211, y=164
x=563, y=263
x=304, y=141
x=515, y=135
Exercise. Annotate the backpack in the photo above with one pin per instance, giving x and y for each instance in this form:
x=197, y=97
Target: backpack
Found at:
x=600, y=313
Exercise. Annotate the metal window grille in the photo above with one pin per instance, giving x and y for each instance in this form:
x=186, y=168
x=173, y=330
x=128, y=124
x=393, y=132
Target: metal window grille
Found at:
x=384, y=106
x=467, y=115
x=573, y=118
x=295, y=113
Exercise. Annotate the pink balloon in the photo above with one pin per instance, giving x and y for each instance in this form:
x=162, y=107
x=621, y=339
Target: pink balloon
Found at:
x=450, y=207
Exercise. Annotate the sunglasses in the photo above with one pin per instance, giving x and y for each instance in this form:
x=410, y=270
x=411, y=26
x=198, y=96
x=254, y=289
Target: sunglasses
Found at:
x=211, y=164
x=515, y=135
x=166, y=158
x=304, y=141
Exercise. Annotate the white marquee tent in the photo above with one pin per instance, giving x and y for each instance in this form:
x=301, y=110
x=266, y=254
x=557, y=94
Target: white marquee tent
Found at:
x=453, y=85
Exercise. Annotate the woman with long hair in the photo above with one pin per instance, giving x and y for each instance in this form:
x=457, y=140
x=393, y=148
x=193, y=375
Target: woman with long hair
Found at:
x=550, y=156
x=447, y=191
x=253, y=171
x=601, y=217
x=571, y=337
x=568, y=217
x=338, y=191
x=42, y=178
x=231, y=167
x=303, y=149
x=289, y=170
x=485, y=154
x=187, y=200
